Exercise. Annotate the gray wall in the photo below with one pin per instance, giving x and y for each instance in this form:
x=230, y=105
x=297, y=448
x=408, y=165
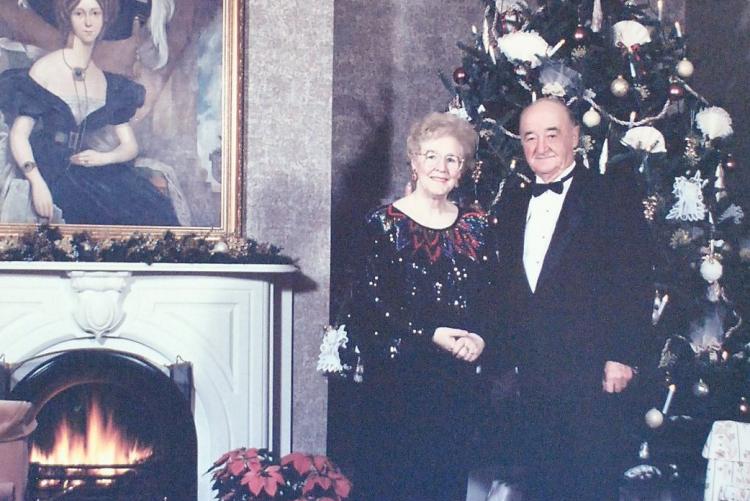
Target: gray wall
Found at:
x=387, y=55
x=288, y=64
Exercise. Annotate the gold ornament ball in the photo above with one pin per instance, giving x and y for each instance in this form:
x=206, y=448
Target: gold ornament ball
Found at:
x=685, y=68
x=619, y=86
x=591, y=118
x=654, y=418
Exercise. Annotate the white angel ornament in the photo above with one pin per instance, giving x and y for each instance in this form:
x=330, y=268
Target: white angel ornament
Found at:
x=689, y=193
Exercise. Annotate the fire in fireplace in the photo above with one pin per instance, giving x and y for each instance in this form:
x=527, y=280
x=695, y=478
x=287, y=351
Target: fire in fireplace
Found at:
x=110, y=427
x=92, y=459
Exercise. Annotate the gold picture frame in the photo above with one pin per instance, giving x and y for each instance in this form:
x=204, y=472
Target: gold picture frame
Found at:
x=192, y=102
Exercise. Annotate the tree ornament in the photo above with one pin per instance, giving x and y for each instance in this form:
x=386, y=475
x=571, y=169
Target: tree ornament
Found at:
x=676, y=91
x=691, y=150
x=700, y=389
x=730, y=162
x=654, y=418
x=720, y=184
x=580, y=35
x=744, y=407
x=643, y=452
x=711, y=269
x=619, y=86
x=459, y=75
x=714, y=122
x=685, y=68
x=689, y=193
x=220, y=247
x=591, y=118
x=476, y=174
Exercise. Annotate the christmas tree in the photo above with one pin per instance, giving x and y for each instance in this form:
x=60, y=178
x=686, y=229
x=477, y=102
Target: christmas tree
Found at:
x=626, y=75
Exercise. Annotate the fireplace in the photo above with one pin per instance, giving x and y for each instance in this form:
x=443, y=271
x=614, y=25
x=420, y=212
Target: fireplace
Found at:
x=110, y=343
x=110, y=426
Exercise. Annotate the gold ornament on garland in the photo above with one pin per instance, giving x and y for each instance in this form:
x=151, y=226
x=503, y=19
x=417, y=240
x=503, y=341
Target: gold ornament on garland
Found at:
x=47, y=243
x=685, y=68
x=619, y=86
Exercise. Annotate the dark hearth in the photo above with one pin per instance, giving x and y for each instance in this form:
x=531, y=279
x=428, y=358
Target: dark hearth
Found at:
x=93, y=482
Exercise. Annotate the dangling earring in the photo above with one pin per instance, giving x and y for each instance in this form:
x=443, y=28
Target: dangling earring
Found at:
x=413, y=175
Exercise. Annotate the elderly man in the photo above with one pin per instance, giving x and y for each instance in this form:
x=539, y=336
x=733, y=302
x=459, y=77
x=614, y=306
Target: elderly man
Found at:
x=575, y=297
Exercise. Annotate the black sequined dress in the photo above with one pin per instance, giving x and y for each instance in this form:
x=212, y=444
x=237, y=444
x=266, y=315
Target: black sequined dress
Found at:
x=419, y=409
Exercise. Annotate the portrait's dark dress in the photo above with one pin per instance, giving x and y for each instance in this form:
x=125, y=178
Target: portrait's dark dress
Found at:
x=113, y=194
x=420, y=407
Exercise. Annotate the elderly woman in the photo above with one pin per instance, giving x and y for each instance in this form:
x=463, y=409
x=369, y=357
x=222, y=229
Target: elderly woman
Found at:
x=411, y=326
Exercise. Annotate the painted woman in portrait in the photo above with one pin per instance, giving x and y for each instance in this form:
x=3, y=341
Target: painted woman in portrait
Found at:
x=70, y=132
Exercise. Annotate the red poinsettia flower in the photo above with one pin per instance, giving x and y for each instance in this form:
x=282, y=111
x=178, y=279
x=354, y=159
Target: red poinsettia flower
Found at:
x=263, y=479
x=300, y=462
x=327, y=476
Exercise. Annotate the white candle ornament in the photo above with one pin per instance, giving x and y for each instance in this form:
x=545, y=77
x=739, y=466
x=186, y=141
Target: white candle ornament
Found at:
x=668, y=401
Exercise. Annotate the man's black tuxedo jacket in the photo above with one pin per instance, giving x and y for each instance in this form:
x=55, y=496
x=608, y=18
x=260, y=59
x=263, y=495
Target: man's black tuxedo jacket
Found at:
x=594, y=295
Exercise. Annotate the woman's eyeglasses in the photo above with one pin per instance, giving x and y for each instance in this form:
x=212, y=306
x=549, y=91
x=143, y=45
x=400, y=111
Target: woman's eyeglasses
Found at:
x=432, y=159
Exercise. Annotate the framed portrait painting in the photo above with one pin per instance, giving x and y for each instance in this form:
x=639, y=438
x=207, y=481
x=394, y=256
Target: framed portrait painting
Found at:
x=121, y=116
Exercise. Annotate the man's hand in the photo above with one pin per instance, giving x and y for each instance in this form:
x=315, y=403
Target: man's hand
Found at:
x=616, y=377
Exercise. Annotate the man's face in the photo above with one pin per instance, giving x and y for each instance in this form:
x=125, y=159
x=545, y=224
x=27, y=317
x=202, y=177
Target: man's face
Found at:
x=549, y=138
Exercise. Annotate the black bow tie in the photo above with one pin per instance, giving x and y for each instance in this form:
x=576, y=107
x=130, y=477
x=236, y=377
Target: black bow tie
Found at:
x=557, y=186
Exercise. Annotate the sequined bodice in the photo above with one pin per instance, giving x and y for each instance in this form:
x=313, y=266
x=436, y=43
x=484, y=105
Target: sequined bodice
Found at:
x=414, y=279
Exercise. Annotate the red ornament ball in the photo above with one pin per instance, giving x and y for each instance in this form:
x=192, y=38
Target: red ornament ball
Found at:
x=676, y=92
x=459, y=76
x=580, y=34
x=730, y=162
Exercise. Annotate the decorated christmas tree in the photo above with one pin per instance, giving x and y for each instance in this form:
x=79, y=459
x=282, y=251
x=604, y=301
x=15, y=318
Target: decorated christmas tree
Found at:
x=626, y=75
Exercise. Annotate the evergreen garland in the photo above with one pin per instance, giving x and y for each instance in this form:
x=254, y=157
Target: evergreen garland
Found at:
x=47, y=243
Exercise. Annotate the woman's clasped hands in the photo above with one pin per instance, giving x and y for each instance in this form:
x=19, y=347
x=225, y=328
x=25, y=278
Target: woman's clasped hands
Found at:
x=460, y=343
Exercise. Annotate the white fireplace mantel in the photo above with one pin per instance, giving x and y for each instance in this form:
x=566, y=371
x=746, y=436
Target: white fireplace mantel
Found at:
x=232, y=322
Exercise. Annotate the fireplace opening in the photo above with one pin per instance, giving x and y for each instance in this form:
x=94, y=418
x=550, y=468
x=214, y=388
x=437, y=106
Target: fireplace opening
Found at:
x=111, y=427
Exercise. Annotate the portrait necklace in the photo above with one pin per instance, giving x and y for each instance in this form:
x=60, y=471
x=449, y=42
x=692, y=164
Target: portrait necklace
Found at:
x=79, y=74
x=82, y=105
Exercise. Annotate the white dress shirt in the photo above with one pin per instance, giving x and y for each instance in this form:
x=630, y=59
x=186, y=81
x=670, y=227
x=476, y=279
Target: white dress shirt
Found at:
x=541, y=219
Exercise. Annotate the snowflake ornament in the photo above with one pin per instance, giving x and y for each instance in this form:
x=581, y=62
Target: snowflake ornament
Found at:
x=333, y=340
x=689, y=193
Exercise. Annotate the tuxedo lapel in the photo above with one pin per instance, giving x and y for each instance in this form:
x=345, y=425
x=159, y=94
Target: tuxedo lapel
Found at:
x=570, y=220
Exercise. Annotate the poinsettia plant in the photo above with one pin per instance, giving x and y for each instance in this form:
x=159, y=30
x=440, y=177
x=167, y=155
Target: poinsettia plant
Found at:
x=256, y=474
